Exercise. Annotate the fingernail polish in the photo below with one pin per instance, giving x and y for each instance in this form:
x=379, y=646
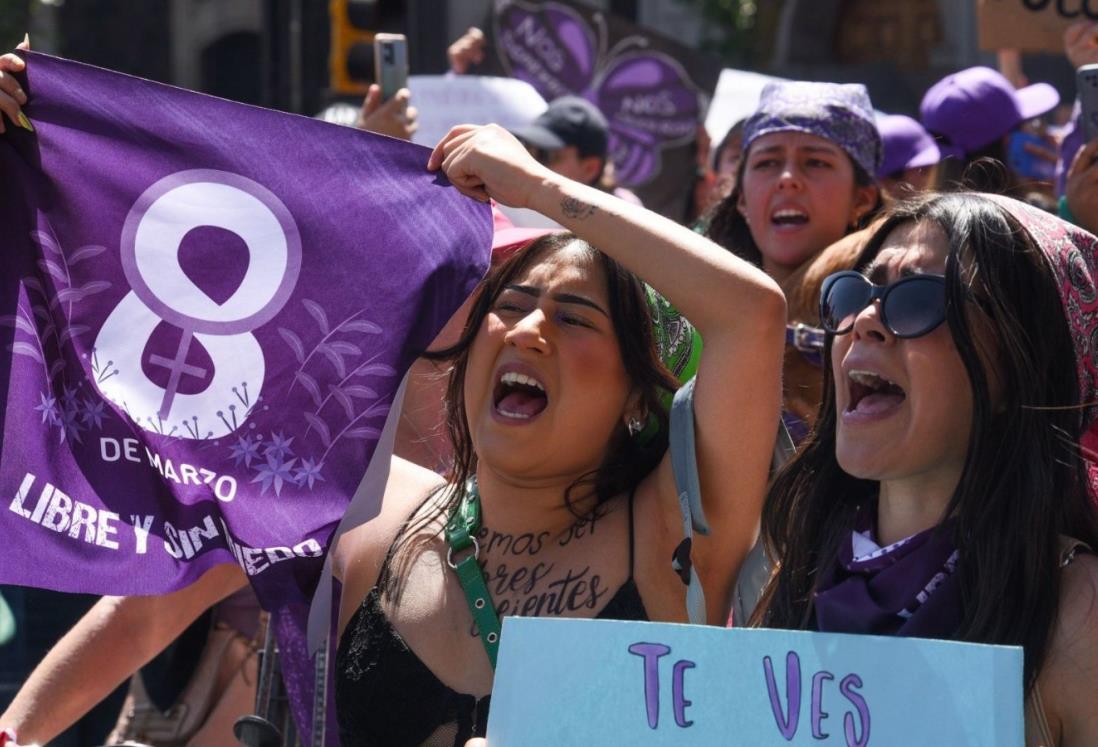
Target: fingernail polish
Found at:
x=25, y=123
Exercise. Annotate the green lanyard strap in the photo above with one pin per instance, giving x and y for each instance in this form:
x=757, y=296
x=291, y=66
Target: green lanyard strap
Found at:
x=461, y=532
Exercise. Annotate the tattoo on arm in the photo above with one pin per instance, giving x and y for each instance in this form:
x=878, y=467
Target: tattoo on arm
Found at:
x=573, y=208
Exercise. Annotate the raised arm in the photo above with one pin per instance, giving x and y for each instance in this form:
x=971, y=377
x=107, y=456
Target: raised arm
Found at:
x=113, y=640
x=738, y=310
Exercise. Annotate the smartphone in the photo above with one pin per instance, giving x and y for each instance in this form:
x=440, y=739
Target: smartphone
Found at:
x=1086, y=84
x=1032, y=156
x=391, y=63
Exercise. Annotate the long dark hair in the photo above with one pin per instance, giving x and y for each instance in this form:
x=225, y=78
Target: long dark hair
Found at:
x=732, y=139
x=628, y=460
x=987, y=171
x=982, y=170
x=727, y=226
x=1024, y=482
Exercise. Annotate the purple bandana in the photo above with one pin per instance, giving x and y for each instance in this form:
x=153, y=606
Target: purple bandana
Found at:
x=906, y=588
x=841, y=113
x=205, y=311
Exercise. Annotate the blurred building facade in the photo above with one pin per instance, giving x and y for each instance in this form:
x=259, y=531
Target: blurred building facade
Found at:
x=898, y=48
x=276, y=52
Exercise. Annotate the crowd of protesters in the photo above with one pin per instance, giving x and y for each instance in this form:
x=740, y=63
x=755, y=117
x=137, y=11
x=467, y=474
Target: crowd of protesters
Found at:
x=884, y=329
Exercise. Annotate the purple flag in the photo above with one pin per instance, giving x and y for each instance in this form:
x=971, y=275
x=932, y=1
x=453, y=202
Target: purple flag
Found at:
x=205, y=311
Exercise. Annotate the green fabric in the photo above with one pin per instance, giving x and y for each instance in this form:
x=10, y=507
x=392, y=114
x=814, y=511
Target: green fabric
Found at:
x=464, y=523
x=7, y=622
x=677, y=342
x=1065, y=211
x=679, y=347
x=461, y=531
x=480, y=605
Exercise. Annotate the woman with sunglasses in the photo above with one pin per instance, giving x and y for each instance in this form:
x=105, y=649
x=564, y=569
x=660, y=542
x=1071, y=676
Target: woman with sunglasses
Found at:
x=943, y=493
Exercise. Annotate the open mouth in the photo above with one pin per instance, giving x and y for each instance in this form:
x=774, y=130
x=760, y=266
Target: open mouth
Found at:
x=789, y=217
x=518, y=396
x=872, y=394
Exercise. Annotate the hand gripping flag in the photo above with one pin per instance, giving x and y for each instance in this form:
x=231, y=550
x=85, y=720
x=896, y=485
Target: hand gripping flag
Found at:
x=205, y=312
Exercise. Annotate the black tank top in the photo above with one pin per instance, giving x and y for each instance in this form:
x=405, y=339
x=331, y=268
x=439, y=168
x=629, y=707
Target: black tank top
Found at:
x=386, y=696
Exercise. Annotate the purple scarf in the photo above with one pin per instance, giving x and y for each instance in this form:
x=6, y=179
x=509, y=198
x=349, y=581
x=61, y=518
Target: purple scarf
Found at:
x=907, y=588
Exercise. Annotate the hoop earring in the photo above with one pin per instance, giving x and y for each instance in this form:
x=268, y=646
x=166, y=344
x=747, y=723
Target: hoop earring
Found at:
x=634, y=426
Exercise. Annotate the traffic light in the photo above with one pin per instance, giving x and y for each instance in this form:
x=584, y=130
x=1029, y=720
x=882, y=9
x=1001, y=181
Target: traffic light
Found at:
x=351, y=62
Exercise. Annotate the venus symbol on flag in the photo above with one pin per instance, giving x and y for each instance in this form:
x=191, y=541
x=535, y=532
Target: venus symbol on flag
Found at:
x=162, y=292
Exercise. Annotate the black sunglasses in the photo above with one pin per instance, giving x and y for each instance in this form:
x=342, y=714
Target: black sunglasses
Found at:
x=910, y=307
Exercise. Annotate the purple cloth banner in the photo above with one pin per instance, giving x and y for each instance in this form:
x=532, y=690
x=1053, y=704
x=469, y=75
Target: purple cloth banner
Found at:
x=205, y=311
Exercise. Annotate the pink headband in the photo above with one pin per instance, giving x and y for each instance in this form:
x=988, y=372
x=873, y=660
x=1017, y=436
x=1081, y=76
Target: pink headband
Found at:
x=1073, y=255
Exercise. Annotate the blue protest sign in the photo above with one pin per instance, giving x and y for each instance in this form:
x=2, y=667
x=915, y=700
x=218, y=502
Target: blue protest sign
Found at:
x=606, y=682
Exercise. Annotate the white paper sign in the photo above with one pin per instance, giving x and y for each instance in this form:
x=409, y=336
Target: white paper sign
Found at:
x=736, y=97
x=444, y=101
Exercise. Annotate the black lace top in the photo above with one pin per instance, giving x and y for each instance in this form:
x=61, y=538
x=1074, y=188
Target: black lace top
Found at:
x=386, y=696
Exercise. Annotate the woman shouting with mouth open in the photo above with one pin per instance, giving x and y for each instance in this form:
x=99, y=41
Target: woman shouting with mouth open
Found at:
x=562, y=477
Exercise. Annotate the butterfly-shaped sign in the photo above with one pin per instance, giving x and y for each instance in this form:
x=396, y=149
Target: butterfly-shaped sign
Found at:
x=647, y=96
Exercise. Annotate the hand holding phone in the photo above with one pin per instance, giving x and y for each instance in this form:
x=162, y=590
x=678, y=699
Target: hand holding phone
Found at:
x=1086, y=83
x=1032, y=156
x=393, y=117
x=1081, y=187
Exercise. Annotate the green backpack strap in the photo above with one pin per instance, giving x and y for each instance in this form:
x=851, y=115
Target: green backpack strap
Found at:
x=461, y=530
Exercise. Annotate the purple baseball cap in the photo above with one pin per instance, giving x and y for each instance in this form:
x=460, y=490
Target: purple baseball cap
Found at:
x=907, y=145
x=975, y=107
x=839, y=112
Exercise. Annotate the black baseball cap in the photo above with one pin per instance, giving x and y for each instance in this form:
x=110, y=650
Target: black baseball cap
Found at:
x=569, y=120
